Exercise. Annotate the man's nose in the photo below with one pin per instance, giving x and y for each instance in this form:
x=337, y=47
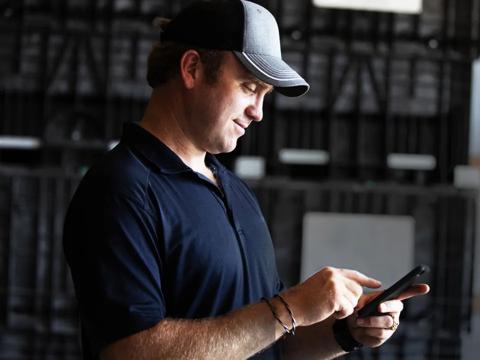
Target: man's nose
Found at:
x=255, y=110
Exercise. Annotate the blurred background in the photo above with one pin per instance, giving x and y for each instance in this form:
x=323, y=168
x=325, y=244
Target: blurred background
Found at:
x=376, y=168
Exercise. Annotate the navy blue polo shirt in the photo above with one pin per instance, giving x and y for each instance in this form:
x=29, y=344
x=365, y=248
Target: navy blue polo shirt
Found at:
x=147, y=238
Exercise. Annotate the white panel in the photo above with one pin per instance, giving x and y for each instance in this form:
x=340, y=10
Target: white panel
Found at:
x=381, y=246
x=303, y=156
x=411, y=161
x=400, y=6
x=250, y=167
x=466, y=177
x=19, y=142
x=475, y=112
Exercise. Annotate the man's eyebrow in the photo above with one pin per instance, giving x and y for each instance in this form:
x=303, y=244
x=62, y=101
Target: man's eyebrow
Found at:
x=261, y=83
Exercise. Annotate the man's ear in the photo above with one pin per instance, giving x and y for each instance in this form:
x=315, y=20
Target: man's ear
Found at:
x=190, y=68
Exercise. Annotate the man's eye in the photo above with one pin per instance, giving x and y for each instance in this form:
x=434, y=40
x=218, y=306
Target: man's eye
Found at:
x=251, y=88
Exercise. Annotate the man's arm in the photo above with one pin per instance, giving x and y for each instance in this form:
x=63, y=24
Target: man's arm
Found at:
x=243, y=333
x=237, y=335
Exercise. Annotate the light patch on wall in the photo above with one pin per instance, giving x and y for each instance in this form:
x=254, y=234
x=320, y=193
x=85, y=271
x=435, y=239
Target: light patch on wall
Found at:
x=399, y=6
x=475, y=113
x=382, y=246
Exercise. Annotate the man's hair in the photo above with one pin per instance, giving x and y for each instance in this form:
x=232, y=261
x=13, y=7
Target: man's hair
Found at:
x=164, y=62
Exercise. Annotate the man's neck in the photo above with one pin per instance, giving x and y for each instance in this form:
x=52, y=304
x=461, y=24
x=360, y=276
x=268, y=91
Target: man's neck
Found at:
x=162, y=119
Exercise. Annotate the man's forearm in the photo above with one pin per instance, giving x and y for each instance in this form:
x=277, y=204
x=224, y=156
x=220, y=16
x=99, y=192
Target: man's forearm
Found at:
x=313, y=342
x=242, y=333
x=238, y=335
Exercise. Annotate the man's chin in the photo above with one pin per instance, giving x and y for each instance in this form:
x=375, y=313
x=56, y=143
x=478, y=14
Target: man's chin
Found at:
x=226, y=148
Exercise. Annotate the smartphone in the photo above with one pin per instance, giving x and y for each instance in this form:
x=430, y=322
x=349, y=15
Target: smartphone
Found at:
x=370, y=309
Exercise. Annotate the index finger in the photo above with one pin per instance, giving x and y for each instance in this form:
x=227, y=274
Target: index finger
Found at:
x=361, y=279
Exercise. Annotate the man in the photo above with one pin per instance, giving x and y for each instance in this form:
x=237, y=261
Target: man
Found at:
x=169, y=252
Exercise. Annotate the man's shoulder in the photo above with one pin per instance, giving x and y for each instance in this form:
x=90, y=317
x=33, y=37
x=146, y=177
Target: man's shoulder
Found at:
x=118, y=171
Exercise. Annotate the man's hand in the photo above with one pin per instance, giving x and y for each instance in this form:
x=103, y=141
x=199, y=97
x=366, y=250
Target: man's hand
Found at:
x=329, y=292
x=373, y=331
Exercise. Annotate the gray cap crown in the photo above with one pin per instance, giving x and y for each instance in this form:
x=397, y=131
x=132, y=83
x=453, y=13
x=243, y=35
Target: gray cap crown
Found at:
x=247, y=29
x=260, y=33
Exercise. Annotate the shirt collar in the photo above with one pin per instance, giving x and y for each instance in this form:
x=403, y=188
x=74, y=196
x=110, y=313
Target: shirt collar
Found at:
x=157, y=152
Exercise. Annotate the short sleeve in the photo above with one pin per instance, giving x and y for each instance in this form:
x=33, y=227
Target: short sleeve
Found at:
x=113, y=251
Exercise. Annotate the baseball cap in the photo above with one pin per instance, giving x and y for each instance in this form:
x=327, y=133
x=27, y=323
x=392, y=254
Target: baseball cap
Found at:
x=247, y=29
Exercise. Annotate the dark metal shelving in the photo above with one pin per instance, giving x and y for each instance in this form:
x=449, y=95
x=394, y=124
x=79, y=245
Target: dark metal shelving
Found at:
x=72, y=71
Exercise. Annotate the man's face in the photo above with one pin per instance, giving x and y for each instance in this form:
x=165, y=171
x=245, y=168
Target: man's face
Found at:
x=221, y=112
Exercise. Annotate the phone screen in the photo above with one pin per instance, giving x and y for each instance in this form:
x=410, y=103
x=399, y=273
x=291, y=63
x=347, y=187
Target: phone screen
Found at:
x=370, y=309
